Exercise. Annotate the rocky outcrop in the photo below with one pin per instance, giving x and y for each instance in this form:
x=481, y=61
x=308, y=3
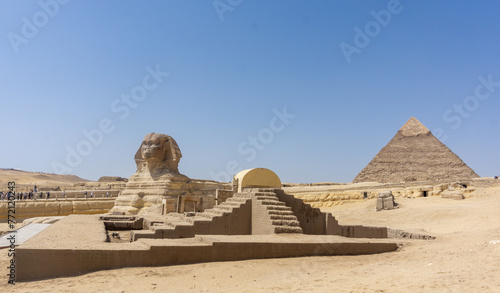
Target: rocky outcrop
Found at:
x=112, y=179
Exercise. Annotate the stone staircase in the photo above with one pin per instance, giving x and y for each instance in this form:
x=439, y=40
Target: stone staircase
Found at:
x=209, y=222
x=280, y=216
x=235, y=216
x=220, y=210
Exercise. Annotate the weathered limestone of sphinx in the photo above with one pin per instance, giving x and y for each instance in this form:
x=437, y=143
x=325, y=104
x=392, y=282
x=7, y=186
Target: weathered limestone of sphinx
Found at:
x=157, y=177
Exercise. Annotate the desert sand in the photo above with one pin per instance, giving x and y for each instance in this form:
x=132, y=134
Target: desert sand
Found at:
x=26, y=180
x=465, y=257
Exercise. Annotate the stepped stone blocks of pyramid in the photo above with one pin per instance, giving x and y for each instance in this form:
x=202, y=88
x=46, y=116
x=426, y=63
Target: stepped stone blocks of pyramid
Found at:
x=414, y=154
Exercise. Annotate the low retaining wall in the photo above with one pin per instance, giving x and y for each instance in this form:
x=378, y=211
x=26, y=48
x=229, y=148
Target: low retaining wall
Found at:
x=48, y=255
x=35, y=264
x=55, y=207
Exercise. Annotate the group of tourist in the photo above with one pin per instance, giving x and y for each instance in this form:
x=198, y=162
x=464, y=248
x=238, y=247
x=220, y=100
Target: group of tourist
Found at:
x=24, y=195
x=33, y=195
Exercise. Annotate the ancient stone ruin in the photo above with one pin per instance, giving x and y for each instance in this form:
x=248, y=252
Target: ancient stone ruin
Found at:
x=385, y=201
x=256, y=206
x=165, y=218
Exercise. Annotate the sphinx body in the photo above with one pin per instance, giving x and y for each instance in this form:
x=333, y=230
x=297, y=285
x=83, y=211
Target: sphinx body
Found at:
x=157, y=177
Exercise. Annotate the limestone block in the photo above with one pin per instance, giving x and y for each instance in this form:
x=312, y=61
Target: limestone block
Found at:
x=437, y=189
x=469, y=190
x=388, y=203
x=398, y=192
x=458, y=195
x=80, y=205
x=385, y=194
x=41, y=206
x=65, y=207
x=385, y=201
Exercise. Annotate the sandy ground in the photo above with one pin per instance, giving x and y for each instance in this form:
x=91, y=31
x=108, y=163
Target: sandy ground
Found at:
x=465, y=257
x=25, y=180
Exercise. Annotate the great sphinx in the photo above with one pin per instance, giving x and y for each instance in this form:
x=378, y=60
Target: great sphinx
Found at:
x=157, y=177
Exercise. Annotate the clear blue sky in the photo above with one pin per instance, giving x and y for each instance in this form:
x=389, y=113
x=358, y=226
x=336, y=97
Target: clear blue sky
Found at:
x=350, y=81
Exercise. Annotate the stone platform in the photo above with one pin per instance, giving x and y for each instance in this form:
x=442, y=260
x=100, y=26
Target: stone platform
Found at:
x=61, y=250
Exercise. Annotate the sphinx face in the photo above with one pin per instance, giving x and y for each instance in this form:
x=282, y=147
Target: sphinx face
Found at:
x=152, y=149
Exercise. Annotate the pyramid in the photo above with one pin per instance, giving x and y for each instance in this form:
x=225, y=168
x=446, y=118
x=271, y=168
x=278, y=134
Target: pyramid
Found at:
x=414, y=154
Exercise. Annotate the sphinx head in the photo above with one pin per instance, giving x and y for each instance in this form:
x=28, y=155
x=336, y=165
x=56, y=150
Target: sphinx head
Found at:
x=158, y=152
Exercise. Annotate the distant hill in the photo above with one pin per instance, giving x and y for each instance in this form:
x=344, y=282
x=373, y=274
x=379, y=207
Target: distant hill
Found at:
x=41, y=179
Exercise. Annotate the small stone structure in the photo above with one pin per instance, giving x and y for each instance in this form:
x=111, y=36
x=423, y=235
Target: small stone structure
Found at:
x=256, y=178
x=385, y=201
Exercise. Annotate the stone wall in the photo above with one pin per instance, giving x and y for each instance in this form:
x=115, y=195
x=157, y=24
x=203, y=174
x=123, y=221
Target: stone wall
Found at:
x=327, y=195
x=47, y=208
x=312, y=220
x=261, y=223
x=47, y=255
x=221, y=195
x=207, y=189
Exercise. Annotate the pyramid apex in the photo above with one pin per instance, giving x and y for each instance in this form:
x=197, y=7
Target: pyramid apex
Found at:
x=413, y=127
